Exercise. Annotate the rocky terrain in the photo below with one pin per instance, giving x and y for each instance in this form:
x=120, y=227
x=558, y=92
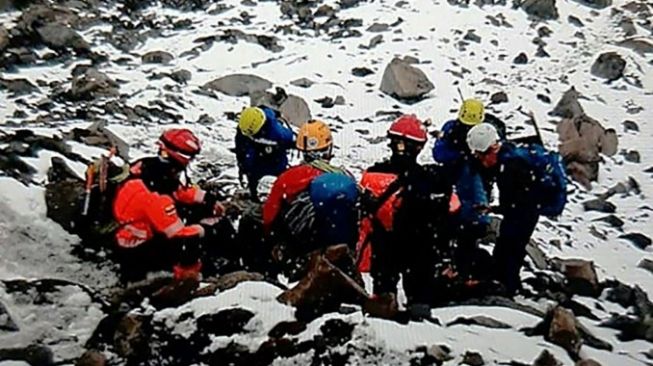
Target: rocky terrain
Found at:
x=80, y=76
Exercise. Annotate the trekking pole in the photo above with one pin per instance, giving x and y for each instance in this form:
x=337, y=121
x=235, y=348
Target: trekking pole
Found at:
x=537, y=129
x=90, y=173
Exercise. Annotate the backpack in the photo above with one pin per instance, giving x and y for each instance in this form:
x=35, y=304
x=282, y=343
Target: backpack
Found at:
x=88, y=204
x=550, y=176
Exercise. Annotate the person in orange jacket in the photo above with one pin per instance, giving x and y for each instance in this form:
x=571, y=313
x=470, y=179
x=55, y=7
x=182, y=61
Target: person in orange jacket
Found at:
x=406, y=216
x=152, y=235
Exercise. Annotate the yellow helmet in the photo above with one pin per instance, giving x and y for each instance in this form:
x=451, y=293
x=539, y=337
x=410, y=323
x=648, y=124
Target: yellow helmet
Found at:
x=471, y=112
x=251, y=121
x=314, y=135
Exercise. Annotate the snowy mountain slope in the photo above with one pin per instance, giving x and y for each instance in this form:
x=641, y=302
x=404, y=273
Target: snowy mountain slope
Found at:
x=431, y=31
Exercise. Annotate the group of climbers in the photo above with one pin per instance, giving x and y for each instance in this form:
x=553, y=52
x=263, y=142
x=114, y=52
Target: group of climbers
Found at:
x=404, y=220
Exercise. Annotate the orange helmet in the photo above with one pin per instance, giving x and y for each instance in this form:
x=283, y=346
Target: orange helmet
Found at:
x=314, y=135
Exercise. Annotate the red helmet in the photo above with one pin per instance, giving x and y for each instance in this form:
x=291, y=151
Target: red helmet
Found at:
x=408, y=127
x=180, y=144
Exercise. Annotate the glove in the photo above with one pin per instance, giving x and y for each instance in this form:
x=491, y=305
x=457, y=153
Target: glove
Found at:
x=368, y=203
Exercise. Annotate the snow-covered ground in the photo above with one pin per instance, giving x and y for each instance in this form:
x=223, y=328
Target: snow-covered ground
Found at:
x=32, y=246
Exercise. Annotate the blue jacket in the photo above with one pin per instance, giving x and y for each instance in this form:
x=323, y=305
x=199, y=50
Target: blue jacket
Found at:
x=265, y=153
x=451, y=148
x=516, y=180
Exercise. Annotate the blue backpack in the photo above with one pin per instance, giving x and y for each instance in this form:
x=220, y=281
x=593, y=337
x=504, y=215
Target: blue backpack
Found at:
x=550, y=174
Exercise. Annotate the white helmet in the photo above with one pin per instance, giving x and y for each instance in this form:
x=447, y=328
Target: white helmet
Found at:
x=481, y=137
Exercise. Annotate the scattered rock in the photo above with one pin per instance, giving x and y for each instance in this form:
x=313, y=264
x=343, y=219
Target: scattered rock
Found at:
x=581, y=278
x=181, y=76
x=35, y=355
x=18, y=86
x=58, y=36
x=4, y=38
x=157, y=57
x=609, y=65
x=324, y=11
x=598, y=4
x=302, y=83
x=472, y=359
x=440, y=353
x=378, y=27
x=639, y=240
x=472, y=37
x=628, y=26
x=544, y=31
x=521, y=59
x=563, y=331
x=599, y=204
x=405, y=82
x=541, y=9
x=238, y=85
x=325, y=102
x=541, y=52
x=7, y=324
x=499, y=97
x=575, y=21
x=568, y=106
x=131, y=336
x=632, y=156
x=645, y=263
x=612, y=220
x=630, y=126
x=361, y=71
x=270, y=43
x=546, y=359
x=480, y=320
x=225, y=322
x=639, y=45
x=544, y=98
x=92, y=84
x=375, y=41
x=587, y=362
x=91, y=358
x=287, y=328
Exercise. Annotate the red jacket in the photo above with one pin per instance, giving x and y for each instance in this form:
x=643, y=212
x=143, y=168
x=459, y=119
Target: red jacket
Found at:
x=285, y=189
x=141, y=213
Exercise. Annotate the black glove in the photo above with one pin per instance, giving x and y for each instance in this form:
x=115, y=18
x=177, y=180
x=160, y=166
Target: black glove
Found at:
x=369, y=203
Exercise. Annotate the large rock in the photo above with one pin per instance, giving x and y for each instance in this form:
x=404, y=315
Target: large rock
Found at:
x=541, y=9
x=582, y=139
x=325, y=286
x=59, y=36
x=294, y=109
x=587, y=362
x=131, y=336
x=7, y=324
x=404, y=81
x=39, y=15
x=98, y=134
x=580, y=276
x=639, y=45
x=238, y=85
x=157, y=57
x=637, y=239
x=562, y=330
x=609, y=65
x=568, y=106
x=92, y=84
x=4, y=38
x=17, y=86
x=34, y=355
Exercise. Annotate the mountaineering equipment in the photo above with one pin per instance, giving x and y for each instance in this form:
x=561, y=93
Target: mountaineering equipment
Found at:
x=408, y=127
x=481, y=137
x=471, y=112
x=314, y=135
x=180, y=144
x=251, y=121
x=101, y=167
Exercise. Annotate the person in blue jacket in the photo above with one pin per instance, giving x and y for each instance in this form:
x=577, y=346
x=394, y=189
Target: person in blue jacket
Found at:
x=531, y=182
x=262, y=144
x=472, y=183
